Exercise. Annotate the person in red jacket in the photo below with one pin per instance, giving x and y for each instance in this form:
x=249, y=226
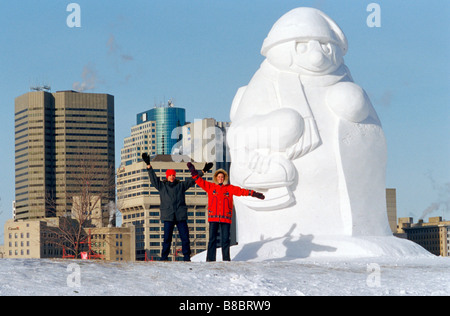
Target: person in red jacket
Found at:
x=220, y=208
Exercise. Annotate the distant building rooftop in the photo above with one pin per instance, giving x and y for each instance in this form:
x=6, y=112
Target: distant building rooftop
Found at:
x=169, y=158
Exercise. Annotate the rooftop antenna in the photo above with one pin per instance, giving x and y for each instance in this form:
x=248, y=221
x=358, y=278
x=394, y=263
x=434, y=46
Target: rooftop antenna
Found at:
x=41, y=87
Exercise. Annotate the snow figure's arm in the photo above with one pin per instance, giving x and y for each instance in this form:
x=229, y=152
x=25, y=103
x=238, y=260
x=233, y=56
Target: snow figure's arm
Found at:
x=349, y=102
x=260, y=134
x=259, y=148
x=272, y=132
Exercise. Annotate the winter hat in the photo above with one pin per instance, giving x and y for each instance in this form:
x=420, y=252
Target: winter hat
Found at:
x=170, y=172
x=304, y=24
x=225, y=176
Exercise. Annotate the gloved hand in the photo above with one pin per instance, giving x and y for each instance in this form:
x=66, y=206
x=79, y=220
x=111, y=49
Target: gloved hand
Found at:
x=192, y=169
x=146, y=158
x=207, y=167
x=257, y=195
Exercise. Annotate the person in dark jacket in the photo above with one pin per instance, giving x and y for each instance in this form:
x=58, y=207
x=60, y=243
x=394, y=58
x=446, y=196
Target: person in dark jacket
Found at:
x=220, y=208
x=173, y=207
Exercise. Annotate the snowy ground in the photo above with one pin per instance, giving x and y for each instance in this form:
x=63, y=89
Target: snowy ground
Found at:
x=420, y=276
x=368, y=266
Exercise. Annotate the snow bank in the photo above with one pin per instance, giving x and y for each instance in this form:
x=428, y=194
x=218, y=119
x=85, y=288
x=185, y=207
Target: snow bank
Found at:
x=279, y=267
x=375, y=276
x=325, y=247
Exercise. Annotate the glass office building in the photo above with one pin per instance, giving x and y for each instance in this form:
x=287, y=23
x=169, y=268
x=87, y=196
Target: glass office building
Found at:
x=167, y=119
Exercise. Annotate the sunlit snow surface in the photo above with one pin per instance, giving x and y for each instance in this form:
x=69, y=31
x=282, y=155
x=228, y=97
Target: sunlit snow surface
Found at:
x=381, y=276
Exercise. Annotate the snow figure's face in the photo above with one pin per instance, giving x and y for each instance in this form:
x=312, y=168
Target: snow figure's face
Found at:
x=312, y=57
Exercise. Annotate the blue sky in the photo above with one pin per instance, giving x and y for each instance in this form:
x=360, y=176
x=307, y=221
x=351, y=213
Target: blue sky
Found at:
x=199, y=52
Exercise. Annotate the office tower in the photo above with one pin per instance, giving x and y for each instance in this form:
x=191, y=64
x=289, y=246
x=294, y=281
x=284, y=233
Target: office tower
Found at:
x=153, y=133
x=167, y=120
x=142, y=140
x=64, y=147
x=34, y=152
x=391, y=206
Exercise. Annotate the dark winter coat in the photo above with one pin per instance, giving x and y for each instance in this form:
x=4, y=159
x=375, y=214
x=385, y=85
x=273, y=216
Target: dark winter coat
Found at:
x=172, y=195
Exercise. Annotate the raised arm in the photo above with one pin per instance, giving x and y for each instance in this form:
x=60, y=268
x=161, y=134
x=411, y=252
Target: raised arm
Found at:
x=155, y=181
x=202, y=183
x=197, y=175
x=190, y=182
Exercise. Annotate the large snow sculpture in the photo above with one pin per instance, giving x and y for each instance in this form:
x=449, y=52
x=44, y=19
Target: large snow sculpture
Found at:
x=308, y=137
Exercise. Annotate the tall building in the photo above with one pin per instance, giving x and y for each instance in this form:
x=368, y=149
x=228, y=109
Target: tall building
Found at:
x=391, y=207
x=153, y=134
x=65, y=174
x=34, y=154
x=64, y=144
x=167, y=120
x=142, y=140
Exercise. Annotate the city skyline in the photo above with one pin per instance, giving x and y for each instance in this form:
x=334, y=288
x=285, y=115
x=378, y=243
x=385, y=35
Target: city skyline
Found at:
x=199, y=54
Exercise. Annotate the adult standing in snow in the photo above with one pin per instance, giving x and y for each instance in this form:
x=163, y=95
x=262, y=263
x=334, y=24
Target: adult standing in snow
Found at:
x=220, y=208
x=173, y=207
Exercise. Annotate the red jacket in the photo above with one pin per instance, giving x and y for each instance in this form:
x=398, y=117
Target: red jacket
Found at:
x=220, y=199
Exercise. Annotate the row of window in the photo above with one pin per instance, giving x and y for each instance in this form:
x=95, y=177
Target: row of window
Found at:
x=197, y=241
x=152, y=214
x=22, y=252
x=147, y=193
x=22, y=244
x=16, y=235
x=139, y=224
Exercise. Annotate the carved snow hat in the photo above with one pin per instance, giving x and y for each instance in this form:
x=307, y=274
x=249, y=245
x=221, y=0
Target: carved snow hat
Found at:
x=305, y=24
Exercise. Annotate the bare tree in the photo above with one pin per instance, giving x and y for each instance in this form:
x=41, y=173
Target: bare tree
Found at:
x=86, y=203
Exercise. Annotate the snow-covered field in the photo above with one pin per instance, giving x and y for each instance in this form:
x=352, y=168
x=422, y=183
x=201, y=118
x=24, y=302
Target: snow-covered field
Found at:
x=368, y=266
x=407, y=276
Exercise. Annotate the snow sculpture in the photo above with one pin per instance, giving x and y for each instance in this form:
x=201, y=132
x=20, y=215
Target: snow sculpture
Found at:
x=308, y=137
